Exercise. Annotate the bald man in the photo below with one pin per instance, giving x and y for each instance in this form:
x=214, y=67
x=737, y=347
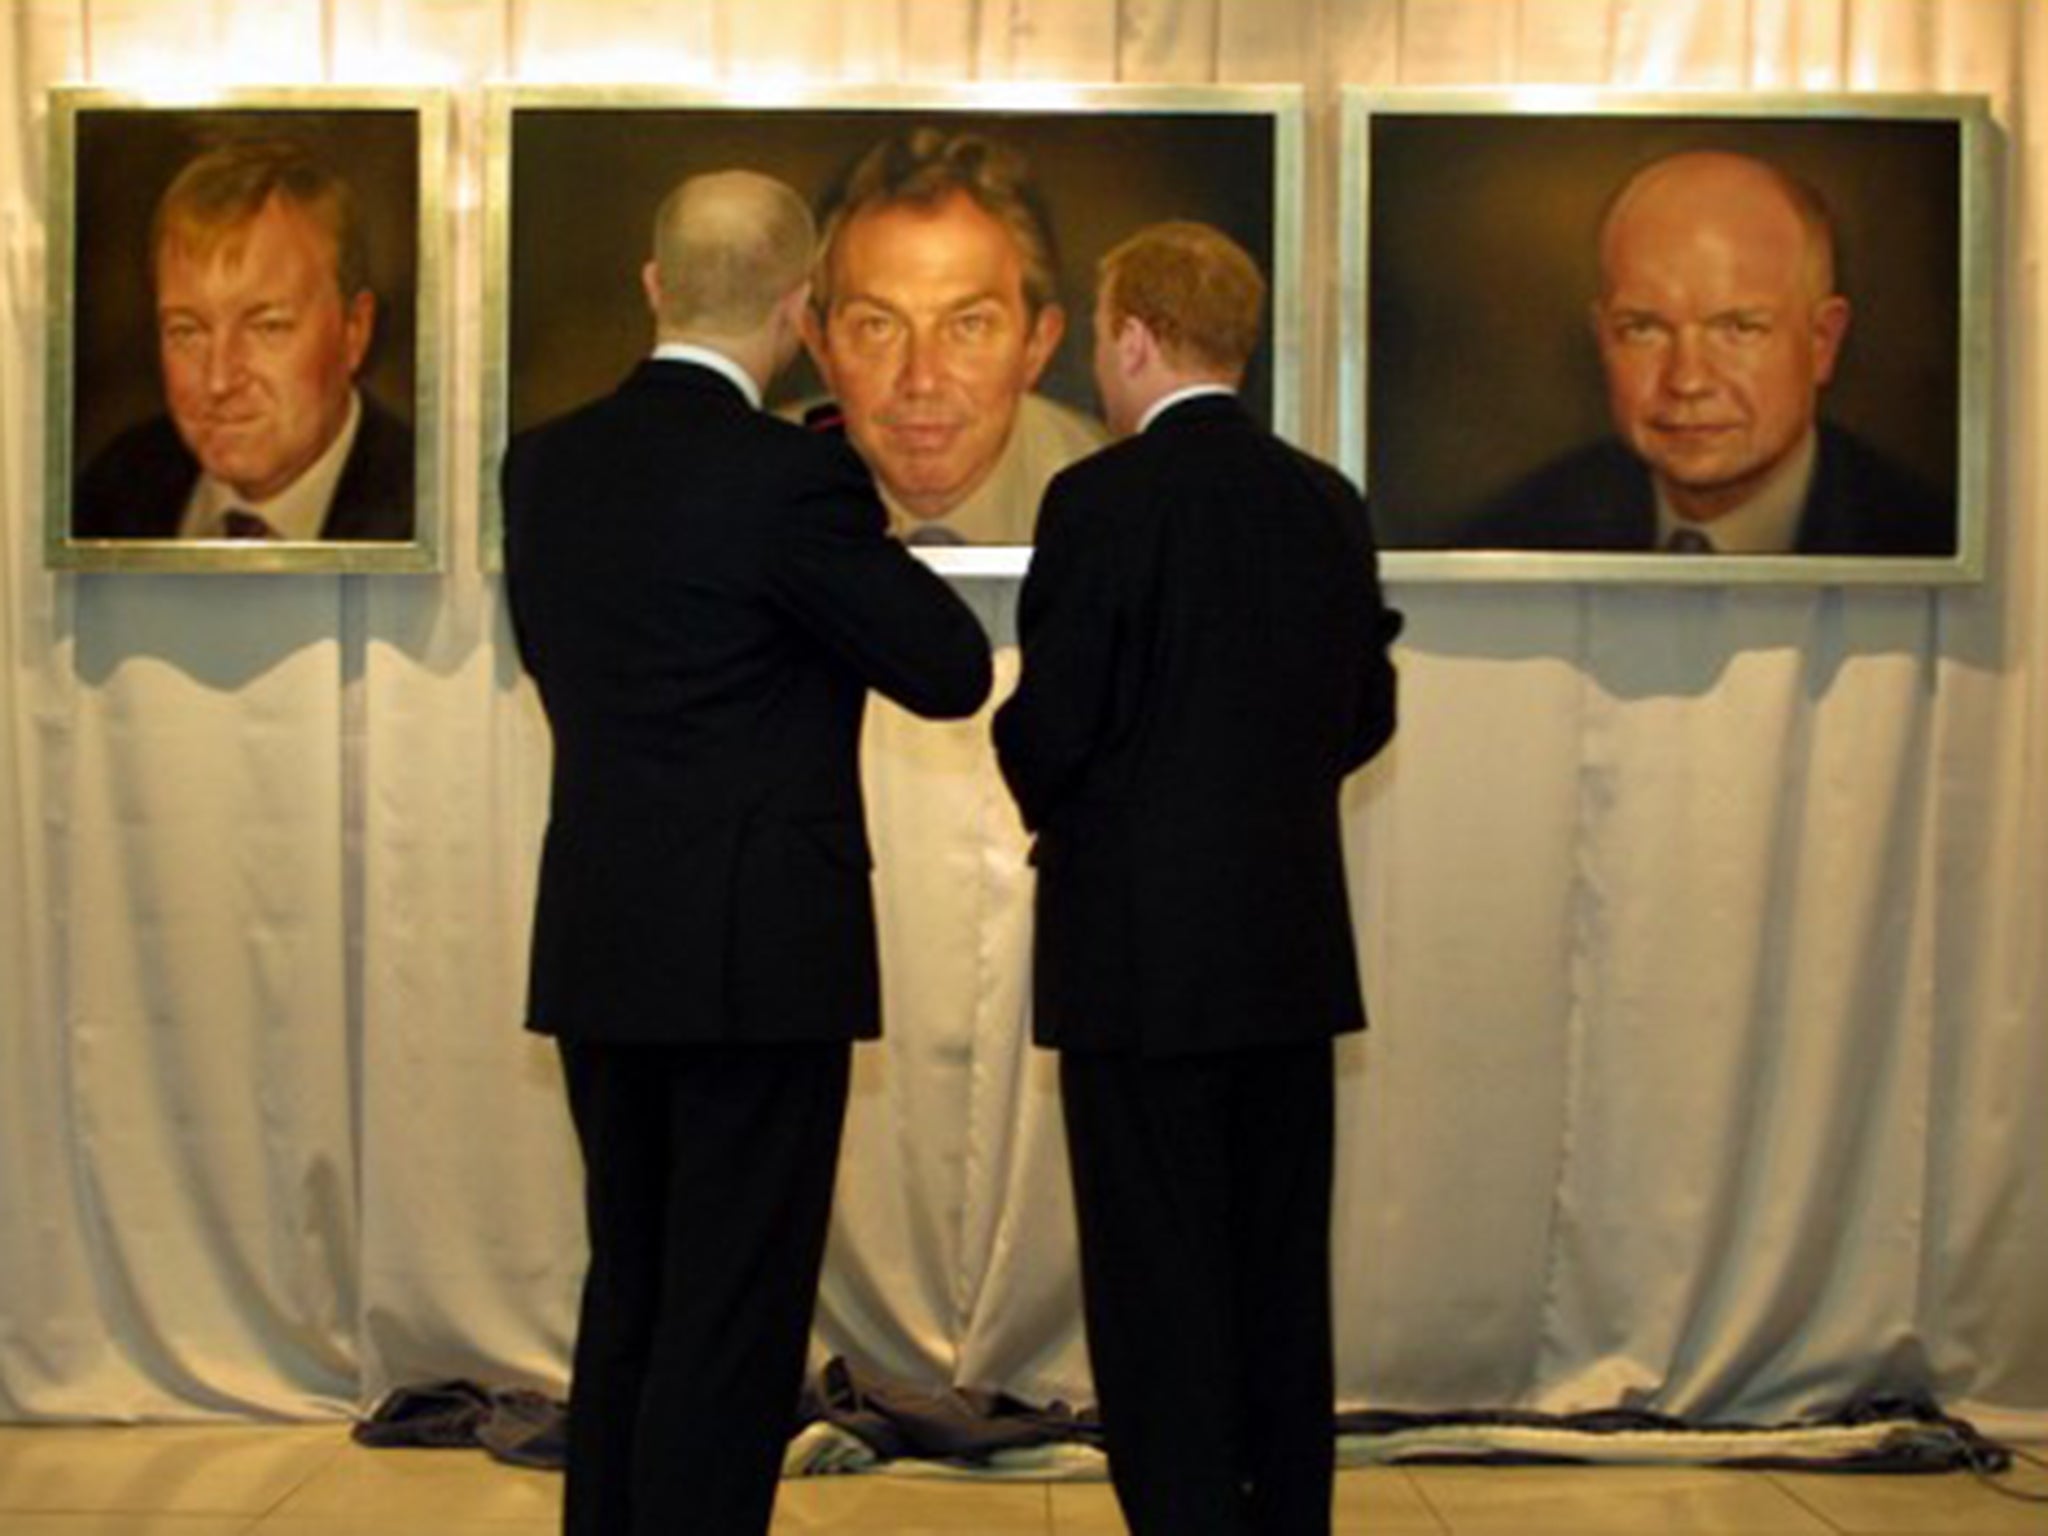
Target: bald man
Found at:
x=705, y=594
x=1719, y=324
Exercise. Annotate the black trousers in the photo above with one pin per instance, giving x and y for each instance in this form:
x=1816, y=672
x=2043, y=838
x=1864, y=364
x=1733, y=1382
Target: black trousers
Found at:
x=1202, y=1187
x=708, y=1187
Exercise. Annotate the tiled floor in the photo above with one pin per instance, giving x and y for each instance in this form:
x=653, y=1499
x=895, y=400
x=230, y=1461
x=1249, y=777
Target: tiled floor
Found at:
x=312, y=1481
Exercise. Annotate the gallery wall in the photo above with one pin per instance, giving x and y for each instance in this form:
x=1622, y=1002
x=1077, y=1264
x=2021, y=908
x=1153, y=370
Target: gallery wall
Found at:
x=1702, y=928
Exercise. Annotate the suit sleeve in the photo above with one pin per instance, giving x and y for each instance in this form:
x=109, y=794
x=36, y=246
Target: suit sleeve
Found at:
x=871, y=602
x=1067, y=625
x=512, y=496
x=1378, y=694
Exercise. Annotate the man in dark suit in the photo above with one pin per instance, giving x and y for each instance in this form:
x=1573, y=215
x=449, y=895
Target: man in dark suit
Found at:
x=264, y=317
x=704, y=594
x=1204, y=661
x=1719, y=325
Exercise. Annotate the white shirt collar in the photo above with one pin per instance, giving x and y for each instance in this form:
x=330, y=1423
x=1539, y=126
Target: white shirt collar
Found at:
x=296, y=513
x=1166, y=403
x=1766, y=524
x=717, y=362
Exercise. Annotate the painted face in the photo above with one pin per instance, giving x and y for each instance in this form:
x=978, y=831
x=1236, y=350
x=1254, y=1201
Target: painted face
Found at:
x=1713, y=335
x=258, y=348
x=929, y=346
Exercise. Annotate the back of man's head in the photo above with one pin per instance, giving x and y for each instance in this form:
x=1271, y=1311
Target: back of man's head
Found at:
x=728, y=247
x=1194, y=288
x=926, y=167
x=218, y=193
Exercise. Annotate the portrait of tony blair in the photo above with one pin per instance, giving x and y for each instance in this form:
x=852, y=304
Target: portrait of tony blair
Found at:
x=943, y=333
x=935, y=311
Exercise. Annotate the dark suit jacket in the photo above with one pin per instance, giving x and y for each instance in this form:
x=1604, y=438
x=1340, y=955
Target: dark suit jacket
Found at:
x=1601, y=498
x=704, y=595
x=1205, y=659
x=137, y=486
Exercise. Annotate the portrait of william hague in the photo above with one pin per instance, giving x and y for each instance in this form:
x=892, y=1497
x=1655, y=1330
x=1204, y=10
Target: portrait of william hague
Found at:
x=1672, y=333
x=1719, y=325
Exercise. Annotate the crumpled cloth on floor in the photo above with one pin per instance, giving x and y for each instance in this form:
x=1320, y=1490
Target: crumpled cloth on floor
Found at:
x=845, y=1421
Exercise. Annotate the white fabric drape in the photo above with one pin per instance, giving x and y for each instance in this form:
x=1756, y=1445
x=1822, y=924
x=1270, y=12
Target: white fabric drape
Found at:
x=1703, y=929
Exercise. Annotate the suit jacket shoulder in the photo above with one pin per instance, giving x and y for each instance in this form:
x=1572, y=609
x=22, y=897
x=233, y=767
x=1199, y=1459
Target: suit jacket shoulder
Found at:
x=1865, y=503
x=1594, y=498
x=693, y=424
x=137, y=486
x=375, y=496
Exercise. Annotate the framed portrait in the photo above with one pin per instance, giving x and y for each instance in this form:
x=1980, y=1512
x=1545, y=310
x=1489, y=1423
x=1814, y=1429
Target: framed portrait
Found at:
x=243, y=359
x=1059, y=176
x=1595, y=337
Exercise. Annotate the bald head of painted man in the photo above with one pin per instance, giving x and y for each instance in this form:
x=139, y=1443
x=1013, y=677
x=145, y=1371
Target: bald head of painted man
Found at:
x=1718, y=323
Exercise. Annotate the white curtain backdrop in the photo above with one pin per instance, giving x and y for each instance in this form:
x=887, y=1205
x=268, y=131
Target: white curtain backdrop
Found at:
x=1704, y=930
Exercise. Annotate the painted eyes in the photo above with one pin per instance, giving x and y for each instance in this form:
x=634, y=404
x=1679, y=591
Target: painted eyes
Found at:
x=184, y=336
x=875, y=331
x=1736, y=328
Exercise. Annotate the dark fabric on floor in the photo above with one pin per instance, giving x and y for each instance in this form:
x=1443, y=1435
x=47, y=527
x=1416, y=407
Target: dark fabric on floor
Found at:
x=897, y=1420
x=1923, y=1438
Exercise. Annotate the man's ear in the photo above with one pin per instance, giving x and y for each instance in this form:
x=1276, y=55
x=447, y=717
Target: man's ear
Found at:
x=650, y=284
x=1043, y=341
x=793, y=306
x=1136, y=346
x=811, y=327
x=359, y=327
x=1830, y=329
